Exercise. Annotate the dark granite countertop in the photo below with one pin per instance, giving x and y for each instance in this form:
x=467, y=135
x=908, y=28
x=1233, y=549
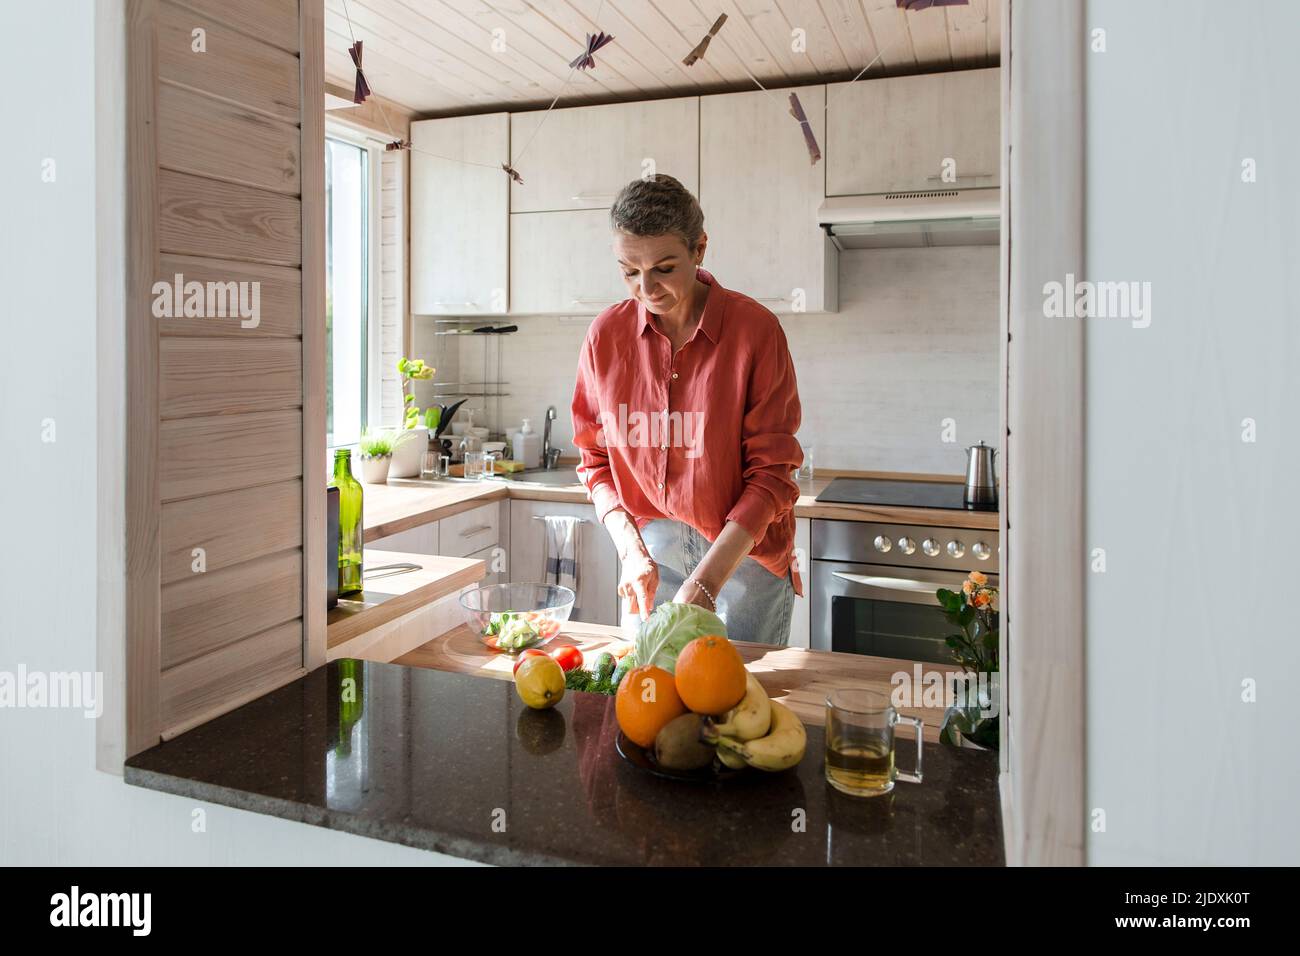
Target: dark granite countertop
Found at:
x=459, y=765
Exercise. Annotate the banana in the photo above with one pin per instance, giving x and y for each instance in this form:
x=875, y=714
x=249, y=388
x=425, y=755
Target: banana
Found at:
x=731, y=760
x=748, y=720
x=781, y=749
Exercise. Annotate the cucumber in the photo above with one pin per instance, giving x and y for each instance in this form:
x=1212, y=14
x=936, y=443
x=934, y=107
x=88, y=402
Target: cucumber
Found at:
x=604, y=666
x=626, y=664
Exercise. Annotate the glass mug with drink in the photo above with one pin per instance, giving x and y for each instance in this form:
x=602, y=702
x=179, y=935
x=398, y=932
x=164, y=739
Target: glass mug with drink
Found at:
x=860, y=743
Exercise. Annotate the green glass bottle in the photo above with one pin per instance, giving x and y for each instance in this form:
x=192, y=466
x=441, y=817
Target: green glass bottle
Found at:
x=350, y=524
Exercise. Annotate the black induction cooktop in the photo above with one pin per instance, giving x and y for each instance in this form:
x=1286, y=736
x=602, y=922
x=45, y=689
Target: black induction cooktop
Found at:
x=901, y=494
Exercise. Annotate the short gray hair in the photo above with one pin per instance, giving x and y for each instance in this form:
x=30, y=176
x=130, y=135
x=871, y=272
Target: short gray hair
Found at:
x=656, y=206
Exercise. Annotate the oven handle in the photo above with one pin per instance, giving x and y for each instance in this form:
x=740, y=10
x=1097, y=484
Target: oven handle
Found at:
x=891, y=584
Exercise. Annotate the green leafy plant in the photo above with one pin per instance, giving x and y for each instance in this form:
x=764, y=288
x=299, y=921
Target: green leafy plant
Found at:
x=380, y=444
x=670, y=628
x=973, y=609
x=412, y=371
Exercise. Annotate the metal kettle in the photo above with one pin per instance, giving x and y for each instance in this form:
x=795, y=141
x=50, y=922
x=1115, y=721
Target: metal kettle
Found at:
x=981, y=476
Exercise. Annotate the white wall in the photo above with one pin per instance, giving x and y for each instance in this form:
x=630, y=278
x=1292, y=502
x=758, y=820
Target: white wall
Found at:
x=60, y=522
x=915, y=342
x=1198, y=526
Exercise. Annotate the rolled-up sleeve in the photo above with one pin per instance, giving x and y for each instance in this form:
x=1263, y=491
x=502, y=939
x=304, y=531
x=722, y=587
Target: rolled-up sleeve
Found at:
x=769, y=450
x=593, y=471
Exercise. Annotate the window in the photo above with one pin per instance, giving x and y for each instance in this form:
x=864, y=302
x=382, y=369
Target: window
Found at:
x=351, y=289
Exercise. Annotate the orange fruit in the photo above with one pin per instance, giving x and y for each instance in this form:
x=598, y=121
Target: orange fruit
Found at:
x=646, y=701
x=710, y=675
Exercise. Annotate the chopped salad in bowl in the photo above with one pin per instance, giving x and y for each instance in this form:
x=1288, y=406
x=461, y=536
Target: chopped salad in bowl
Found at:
x=514, y=617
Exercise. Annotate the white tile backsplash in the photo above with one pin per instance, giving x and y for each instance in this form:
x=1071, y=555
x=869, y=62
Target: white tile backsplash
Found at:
x=915, y=342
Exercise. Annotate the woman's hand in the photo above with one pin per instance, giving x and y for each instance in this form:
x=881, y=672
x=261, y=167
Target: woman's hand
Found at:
x=639, y=581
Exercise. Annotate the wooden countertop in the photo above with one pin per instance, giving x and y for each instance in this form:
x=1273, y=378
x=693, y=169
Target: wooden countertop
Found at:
x=388, y=596
x=797, y=677
x=408, y=504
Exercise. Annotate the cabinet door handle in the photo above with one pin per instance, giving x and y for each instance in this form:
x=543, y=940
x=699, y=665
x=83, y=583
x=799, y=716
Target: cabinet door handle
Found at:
x=470, y=532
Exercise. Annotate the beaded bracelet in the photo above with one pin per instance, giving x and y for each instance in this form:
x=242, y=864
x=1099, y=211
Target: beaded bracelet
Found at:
x=707, y=594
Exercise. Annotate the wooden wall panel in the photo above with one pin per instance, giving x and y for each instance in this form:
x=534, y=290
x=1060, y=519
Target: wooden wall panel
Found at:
x=208, y=611
x=280, y=297
x=231, y=528
x=275, y=21
x=256, y=665
x=225, y=141
x=202, y=217
x=234, y=67
x=228, y=376
x=312, y=45
x=204, y=456
x=142, y=598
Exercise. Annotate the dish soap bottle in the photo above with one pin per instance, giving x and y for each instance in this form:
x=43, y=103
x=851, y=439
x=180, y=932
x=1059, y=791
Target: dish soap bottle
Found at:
x=528, y=445
x=350, y=523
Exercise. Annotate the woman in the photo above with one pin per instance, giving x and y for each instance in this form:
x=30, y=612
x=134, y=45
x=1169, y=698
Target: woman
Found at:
x=684, y=414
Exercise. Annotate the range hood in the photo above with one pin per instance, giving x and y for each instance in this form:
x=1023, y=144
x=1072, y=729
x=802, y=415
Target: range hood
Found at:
x=948, y=217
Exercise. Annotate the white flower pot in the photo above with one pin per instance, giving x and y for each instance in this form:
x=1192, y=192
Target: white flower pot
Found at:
x=374, y=471
x=407, y=454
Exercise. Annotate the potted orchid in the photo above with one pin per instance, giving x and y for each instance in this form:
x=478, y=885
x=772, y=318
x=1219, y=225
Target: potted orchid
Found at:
x=418, y=422
x=973, y=716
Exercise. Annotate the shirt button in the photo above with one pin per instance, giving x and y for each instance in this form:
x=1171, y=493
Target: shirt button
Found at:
x=674, y=374
x=661, y=484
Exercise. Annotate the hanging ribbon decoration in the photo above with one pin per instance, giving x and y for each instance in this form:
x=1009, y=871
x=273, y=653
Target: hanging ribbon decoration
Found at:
x=362, y=89
x=796, y=110
x=511, y=172
x=585, y=60
x=698, y=53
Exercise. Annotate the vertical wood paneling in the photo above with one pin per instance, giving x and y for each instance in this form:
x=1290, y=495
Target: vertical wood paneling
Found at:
x=143, y=598
x=205, y=456
x=234, y=67
x=312, y=26
x=203, y=217
x=231, y=528
x=225, y=376
x=211, y=137
x=226, y=417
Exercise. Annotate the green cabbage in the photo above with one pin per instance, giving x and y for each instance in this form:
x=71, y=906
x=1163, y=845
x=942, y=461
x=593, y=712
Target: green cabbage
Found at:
x=669, y=629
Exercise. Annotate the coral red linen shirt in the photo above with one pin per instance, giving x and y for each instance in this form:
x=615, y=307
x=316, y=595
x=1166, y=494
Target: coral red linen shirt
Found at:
x=705, y=436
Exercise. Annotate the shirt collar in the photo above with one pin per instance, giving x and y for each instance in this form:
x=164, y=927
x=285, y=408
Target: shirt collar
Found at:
x=710, y=320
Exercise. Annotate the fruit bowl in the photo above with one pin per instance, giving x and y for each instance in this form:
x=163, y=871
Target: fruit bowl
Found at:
x=509, y=612
x=644, y=760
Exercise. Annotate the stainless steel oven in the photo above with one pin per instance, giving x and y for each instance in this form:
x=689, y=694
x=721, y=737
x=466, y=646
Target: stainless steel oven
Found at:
x=873, y=585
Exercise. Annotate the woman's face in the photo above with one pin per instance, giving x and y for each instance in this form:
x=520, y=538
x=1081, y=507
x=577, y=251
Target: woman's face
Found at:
x=659, y=270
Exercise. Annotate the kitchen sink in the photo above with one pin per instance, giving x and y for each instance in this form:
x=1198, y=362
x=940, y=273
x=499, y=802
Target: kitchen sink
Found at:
x=541, y=476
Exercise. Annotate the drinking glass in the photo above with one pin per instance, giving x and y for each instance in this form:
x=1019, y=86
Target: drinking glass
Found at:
x=806, y=469
x=475, y=464
x=860, y=743
x=429, y=463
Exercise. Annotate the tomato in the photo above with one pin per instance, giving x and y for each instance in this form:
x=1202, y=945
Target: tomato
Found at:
x=531, y=652
x=568, y=657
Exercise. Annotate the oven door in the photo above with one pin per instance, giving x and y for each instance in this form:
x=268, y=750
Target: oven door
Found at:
x=882, y=611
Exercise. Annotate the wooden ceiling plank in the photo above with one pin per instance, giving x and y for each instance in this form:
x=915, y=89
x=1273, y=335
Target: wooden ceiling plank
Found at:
x=647, y=36
x=889, y=29
x=392, y=81
x=968, y=34
x=532, y=37
x=851, y=31
x=565, y=27
x=778, y=62
x=747, y=46
x=829, y=51
x=446, y=39
x=438, y=69
x=691, y=20
x=929, y=30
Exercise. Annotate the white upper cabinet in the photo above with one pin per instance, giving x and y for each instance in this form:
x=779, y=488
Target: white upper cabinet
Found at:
x=563, y=263
x=760, y=193
x=460, y=216
x=581, y=157
x=899, y=134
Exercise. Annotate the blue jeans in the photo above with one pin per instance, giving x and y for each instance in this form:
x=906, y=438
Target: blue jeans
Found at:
x=754, y=603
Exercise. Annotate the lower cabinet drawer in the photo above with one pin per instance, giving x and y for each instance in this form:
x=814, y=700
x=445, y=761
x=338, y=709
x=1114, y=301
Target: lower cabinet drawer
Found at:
x=490, y=556
x=462, y=534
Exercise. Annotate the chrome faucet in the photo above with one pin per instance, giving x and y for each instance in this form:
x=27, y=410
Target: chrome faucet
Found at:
x=550, y=456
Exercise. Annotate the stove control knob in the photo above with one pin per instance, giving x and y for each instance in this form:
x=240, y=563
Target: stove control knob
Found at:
x=930, y=547
x=906, y=545
x=980, y=550
x=956, y=549
x=883, y=544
